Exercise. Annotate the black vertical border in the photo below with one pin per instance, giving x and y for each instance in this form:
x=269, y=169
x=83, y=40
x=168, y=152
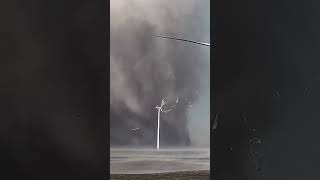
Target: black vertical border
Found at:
x=213, y=30
x=107, y=36
x=28, y=149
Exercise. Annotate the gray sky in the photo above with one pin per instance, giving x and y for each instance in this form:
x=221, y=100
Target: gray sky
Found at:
x=144, y=69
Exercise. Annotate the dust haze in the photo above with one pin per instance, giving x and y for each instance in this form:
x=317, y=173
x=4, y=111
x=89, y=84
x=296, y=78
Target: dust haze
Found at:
x=146, y=69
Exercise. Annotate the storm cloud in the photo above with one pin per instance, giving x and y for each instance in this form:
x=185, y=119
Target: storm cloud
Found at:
x=146, y=69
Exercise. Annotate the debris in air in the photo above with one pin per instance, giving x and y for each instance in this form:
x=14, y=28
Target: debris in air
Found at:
x=256, y=156
x=255, y=141
x=215, y=122
x=306, y=91
x=277, y=92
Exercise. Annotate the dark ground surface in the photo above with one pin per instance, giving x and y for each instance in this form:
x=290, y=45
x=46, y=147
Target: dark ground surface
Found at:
x=187, y=175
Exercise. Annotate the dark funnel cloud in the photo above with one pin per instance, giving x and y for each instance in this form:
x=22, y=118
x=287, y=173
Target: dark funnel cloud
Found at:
x=145, y=69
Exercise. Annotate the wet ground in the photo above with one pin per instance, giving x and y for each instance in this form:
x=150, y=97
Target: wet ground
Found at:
x=188, y=175
x=152, y=161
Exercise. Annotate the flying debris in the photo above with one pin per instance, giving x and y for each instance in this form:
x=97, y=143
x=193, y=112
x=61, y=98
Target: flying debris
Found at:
x=163, y=102
x=277, y=92
x=166, y=111
x=215, y=122
x=255, y=141
x=255, y=155
x=186, y=40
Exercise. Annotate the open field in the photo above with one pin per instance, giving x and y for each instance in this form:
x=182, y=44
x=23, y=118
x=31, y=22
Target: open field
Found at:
x=151, y=162
x=186, y=175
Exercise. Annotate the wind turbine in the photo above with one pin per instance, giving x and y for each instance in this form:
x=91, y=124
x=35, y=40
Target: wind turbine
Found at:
x=158, y=130
x=162, y=102
x=160, y=109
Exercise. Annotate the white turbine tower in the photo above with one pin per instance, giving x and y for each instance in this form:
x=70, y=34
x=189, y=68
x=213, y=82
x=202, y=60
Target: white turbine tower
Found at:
x=158, y=130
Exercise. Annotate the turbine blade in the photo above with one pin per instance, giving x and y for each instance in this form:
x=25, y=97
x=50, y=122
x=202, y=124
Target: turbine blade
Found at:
x=186, y=40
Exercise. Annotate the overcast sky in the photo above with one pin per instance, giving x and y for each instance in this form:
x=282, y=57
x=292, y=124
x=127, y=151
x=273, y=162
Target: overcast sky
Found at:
x=145, y=69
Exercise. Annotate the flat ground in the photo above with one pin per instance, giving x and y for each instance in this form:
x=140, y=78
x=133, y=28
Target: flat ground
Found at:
x=150, y=161
x=186, y=175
